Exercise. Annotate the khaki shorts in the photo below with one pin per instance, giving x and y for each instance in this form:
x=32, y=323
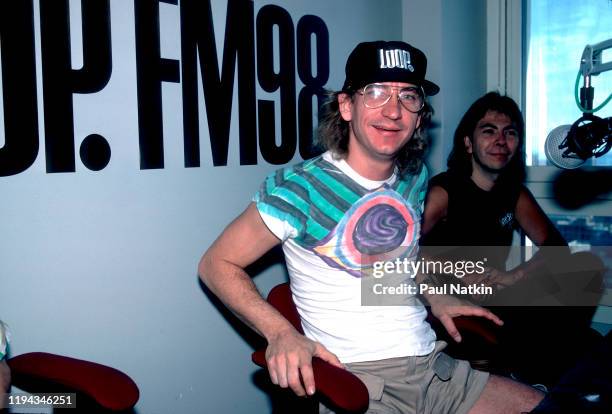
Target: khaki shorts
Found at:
x=430, y=384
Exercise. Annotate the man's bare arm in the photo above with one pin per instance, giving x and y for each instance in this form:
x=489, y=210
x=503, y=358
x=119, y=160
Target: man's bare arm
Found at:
x=436, y=208
x=535, y=223
x=289, y=354
x=542, y=232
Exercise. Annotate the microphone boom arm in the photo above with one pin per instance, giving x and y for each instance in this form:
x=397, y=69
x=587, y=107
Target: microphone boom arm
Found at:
x=590, y=63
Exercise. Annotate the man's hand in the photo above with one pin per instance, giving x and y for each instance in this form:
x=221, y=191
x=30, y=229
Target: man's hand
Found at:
x=499, y=279
x=445, y=308
x=476, y=278
x=494, y=278
x=289, y=357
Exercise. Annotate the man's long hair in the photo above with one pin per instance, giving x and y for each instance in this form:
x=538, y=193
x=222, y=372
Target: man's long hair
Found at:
x=333, y=134
x=460, y=161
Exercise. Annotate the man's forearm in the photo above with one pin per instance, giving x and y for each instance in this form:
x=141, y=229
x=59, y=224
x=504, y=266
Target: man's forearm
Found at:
x=553, y=258
x=235, y=288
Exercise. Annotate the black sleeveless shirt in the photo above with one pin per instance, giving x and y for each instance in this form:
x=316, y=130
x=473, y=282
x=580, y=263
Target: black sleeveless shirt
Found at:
x=475, y=217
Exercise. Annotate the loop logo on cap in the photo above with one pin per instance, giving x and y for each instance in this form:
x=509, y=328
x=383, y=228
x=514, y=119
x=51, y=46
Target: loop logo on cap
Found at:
x=396, y=58
x=383, y=61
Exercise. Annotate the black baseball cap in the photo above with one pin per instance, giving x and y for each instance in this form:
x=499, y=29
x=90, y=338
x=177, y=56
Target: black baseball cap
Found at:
x=382, y=61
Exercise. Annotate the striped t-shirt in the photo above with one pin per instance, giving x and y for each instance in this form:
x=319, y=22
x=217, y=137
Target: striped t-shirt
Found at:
x=335, y=225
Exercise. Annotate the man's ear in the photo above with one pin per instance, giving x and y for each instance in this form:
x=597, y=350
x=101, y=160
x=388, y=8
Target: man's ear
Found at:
x=345, y=104
x=468, y=144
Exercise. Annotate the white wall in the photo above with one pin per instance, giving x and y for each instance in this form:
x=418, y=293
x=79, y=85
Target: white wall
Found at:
x=453, y=36
x=102, y=265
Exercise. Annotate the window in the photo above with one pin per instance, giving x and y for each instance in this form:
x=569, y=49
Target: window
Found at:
x=556, y=33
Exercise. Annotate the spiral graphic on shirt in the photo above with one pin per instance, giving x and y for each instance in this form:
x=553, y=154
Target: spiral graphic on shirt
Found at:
x=379, y=226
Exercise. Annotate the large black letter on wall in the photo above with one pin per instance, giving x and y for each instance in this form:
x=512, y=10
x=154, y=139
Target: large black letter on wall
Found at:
x=268, y=17
x=60, y=81
x=19, y=87
x=198, y=38
x=313, y=85
x=151, y=71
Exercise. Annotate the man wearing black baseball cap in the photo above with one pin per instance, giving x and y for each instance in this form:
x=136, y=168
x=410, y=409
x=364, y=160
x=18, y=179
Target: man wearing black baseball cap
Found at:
x=342, y=217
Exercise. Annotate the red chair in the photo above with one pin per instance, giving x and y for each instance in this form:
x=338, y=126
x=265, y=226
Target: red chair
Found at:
x=343, y=389
x=340, y=387
x=98, y=388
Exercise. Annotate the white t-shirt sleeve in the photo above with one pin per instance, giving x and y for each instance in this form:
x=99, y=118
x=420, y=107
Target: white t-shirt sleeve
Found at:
x=280, y=228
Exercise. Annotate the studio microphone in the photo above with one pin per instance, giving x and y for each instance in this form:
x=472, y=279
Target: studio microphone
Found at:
x=569, y=146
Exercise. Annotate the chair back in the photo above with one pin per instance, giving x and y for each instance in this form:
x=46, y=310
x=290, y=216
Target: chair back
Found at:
x=280, y=297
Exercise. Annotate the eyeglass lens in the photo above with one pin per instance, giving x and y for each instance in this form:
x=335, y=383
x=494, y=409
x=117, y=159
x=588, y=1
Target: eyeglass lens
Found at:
x=376, y=95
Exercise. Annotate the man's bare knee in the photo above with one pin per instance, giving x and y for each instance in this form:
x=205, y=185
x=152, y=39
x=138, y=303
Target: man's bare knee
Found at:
x=505, y=396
